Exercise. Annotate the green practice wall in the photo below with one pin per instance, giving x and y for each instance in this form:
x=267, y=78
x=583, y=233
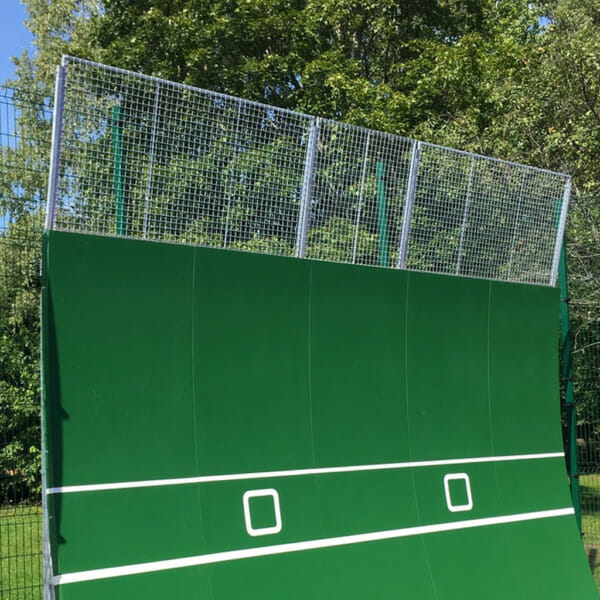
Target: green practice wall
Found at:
x=166, y=362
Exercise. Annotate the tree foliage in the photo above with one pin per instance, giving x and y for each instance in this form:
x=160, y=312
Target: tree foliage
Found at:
x=519, y=80
x=390, y=65
x=23, y=178
x=19, y=352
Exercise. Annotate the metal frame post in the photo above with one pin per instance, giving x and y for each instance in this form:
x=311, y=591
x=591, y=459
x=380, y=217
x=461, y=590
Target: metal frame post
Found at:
x=307, y=185
x=47, y=565
x=57, y=125
x=47, y=568
x=409, y=203
x=560, y=234
x=566, y=351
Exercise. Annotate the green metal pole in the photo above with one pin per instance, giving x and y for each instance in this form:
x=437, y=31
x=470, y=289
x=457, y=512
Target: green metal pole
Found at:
x=117, y=147
x=382, y=215
x=566, y=350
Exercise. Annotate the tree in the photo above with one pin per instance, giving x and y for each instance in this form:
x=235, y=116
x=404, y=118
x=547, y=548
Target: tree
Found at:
x=56, y=25
x=19, y=359
x=429, y=68
x=554, y=122
x=482, y=75
x=387, y=65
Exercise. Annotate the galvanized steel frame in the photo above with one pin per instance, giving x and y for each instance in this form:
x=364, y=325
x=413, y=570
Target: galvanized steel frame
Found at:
x=448, y=211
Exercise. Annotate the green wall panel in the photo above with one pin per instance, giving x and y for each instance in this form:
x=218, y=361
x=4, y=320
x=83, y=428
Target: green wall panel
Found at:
x=115, y=319
x=446, y=360
x=522, y=367
x=181, y=383
x=356, y=365
x=250, y=363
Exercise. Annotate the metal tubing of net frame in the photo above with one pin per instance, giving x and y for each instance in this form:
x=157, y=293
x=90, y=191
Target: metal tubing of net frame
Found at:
x=59, y=94
x=186, y=165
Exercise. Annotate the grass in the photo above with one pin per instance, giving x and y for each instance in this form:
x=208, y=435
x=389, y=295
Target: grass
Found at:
x=590, y=520
x=21, y=552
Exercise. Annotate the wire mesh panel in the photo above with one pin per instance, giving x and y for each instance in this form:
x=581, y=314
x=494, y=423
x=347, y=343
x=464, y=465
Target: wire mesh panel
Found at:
x=440, y=212
x=586, y=377
x=24, y=150
x=481, y=217
x=152, y=159
x=141, y=157
x=357, y=196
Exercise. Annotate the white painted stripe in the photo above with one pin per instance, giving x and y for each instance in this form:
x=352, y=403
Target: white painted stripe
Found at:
x=102, y=487
x=217, y=557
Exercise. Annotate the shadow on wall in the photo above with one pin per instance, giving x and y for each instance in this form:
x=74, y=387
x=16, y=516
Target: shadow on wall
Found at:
x=54, y=474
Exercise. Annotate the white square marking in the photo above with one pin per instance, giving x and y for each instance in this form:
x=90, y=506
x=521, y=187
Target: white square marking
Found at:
x=458, y=507
x=248, y=518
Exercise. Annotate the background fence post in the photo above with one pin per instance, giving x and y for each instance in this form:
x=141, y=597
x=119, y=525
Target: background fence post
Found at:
x=566, y=357
x=382, y=214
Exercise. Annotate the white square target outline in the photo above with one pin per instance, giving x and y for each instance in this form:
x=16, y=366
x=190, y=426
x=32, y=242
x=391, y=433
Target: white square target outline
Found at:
x=255, y=531
x=458, y=507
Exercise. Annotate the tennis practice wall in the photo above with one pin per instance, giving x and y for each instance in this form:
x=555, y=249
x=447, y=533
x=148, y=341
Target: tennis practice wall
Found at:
x=221, y=424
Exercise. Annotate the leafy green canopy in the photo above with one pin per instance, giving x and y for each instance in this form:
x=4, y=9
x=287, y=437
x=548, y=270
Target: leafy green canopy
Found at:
x=386, y=64
x=482, y=75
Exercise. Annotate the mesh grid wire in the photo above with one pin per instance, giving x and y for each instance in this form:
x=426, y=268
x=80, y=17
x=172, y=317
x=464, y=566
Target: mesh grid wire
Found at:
x=25, y=123
x=357, y=195
x=586, y=381
x=155, y=160
x=482, y=217
x=152, y=159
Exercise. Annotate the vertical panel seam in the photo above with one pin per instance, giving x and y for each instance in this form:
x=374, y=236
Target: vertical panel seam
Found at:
x=309, y=368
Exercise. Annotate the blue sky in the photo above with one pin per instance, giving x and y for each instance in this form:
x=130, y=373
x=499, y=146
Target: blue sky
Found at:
x=14, y=36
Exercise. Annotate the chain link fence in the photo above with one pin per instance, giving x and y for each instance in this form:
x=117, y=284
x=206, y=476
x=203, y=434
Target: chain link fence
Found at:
x=146, y=158
x=24, y=151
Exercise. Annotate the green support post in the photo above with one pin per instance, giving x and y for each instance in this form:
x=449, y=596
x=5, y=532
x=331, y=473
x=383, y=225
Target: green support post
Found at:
x=566, y=348
x=382, y=215
x=117, y=146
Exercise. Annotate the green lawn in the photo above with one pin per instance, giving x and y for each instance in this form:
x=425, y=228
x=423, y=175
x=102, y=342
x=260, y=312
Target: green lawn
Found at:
x=590, y=520
x=20, y=553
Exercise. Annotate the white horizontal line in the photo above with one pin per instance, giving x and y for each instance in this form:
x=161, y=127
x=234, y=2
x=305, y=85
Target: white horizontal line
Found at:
x=217, y=557
x=102, y=487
